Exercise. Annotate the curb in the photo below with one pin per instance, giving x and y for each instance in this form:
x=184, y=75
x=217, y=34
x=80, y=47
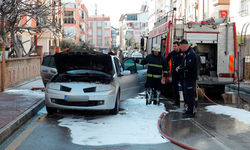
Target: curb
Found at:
x=11, y=127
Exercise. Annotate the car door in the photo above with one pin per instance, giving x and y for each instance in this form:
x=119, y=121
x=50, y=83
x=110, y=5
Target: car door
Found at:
x=142, y=70
x=48, y=69
x=129, y=82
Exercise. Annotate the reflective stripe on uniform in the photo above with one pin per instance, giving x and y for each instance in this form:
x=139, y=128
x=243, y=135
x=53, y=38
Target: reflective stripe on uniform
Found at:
x=154, y=65
x=139, y=61
x=165, y=71
x=154, y=75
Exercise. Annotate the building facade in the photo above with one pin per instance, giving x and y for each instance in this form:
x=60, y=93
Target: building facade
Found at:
x=84, y=24
x=99, y=31
x=157, y=9
x=198, y=10
x=114, y=35
x=240, y=13
x=72, y=20
x=134, y=24
x=50, y=38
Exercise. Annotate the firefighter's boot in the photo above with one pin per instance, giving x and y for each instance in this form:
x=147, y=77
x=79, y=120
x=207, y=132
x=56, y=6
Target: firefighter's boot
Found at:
x=149, y=96
x=158, y=92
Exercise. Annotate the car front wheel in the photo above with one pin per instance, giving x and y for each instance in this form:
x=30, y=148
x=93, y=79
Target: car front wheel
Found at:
x=51, y=110
x=117, y=106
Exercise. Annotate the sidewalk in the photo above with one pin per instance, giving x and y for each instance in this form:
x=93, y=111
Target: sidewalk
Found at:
x=18, y=104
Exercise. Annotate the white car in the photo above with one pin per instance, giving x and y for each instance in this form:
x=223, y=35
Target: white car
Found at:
x=137, y=55
x=88, y=80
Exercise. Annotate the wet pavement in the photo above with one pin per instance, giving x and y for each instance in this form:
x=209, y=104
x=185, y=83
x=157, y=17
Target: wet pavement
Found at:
x=206, y=131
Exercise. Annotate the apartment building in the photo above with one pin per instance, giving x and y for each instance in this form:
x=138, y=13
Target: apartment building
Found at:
x=99, y=31
x=189, y=10
x=135, y=24
x=157, y=9
x=49, y=38
x=84, y=24
x=72, y=20
x=114, y=34
x=198, y=10
x=240, y=13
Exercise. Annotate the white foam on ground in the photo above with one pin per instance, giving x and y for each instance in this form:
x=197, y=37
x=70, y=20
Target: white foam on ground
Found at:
x=239, y=114
x=137, y=124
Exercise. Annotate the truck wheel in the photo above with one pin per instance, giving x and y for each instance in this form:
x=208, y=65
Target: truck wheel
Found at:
x=51, y=110
x=115, y=110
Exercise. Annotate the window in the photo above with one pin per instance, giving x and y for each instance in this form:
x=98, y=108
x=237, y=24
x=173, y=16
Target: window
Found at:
x=205, y=9
x=99, y=41
x=89, y=40
x=132, y=17
x=69, y=17
x=90, y=24
x=136, y=24
x=106, y=24
x=243, y=7
x=90, y=32
x=129, y=33
x=143, y=24
x=99, y=32
x=99, y=24
x=82, y=14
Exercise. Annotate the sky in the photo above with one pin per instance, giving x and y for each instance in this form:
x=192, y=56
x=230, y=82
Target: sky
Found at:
x=114, y=8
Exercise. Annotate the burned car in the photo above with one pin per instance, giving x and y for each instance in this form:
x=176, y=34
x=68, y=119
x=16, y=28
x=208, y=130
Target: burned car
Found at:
x=88, y=80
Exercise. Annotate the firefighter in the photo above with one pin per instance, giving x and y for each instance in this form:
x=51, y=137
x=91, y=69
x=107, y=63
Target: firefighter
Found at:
x=157, y=66
x=189, y=70
x=193, y=45
x=176, y=57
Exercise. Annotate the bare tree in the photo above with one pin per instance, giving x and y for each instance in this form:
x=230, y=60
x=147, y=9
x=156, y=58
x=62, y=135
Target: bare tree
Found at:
x=18, y=16
x=129, y=42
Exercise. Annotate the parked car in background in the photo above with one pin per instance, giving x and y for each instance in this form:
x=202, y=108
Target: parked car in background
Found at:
x=137, y=55
x=87, y=80
x=125, y=53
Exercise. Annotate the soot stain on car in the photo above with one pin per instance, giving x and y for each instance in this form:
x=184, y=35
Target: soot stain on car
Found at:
x=83, y=60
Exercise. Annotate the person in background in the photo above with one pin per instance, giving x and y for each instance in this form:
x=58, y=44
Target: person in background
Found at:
x=121, y=56
x=189, y=70
x=156, y=65
x=67, y=48
x=176, y=57
x=110, y=52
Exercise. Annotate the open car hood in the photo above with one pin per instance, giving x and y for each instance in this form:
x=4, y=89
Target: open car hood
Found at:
x=82, y=59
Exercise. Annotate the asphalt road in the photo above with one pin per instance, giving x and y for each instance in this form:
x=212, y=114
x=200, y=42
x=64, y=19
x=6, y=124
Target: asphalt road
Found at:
x=43, y=132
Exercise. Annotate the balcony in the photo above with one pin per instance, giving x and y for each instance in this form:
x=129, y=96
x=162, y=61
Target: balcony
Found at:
x=220, y=2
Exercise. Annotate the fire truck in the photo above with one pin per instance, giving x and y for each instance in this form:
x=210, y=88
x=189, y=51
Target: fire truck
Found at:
x=217, y=46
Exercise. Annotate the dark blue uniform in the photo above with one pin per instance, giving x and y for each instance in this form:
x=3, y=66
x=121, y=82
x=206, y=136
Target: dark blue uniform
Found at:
x=156, y=65
x=176, y=58
x=189, y=70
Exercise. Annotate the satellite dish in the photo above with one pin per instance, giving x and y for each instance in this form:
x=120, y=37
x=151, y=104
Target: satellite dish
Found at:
x=215, y=15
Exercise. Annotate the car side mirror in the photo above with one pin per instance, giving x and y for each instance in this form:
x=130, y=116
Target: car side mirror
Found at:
x=126, y=72
x=53, y=70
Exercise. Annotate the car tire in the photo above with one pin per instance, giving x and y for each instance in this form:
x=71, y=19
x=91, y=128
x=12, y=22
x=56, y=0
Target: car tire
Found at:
x=51, y=110
x=115, y=110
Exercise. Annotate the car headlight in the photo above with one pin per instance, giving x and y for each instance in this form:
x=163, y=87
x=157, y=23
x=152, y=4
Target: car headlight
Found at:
x=103, y=88
x=53, y=86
